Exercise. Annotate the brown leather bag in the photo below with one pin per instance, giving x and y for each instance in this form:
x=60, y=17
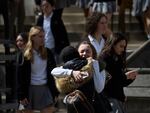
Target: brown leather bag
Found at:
x=78, y=101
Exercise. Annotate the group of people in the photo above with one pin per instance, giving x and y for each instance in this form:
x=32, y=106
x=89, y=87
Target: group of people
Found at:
x=139, y=8
x=47, y=45
x=110, y=50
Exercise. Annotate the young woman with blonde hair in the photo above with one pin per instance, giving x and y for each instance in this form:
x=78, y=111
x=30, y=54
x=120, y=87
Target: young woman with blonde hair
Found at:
x=36, y=85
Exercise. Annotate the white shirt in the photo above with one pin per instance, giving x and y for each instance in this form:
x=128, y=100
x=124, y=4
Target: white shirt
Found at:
x=49, y=38
x=97, y=45
x=99, y=77
x=38, y=70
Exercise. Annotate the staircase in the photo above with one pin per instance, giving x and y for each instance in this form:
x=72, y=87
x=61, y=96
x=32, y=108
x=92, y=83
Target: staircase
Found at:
x=138, y=92
x=74, y=21
x=8, y=77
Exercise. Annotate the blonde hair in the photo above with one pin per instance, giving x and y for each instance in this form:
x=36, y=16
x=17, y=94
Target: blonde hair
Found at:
x=28, y=54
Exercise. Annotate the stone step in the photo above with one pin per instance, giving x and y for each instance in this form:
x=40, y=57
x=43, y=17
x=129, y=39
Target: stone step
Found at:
x=72, y=9
x=140, y=87
x=137, y=36
x=137, y=92
x=134, y=45
x=79, y=26
x=128, y=17
x=138, y=105
x=142, y=81
x=8, y=106
x=73, y=13
x=73, y=17
x=129, y=26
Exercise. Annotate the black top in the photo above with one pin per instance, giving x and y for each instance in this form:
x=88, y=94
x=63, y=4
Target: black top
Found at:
x=114, y=87
x=24, y=77
x=58, y=30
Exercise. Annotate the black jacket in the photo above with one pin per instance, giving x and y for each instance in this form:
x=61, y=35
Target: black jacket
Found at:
x=114, y=87
x=24, y=77
x=58, y=30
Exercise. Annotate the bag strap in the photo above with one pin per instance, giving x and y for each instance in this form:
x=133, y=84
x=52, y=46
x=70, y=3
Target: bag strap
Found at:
x=75, y=108
x=86, y=102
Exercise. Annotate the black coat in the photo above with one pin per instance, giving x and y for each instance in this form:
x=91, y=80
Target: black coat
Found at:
x=24, y=77
x=58, y=30
x=114, y=87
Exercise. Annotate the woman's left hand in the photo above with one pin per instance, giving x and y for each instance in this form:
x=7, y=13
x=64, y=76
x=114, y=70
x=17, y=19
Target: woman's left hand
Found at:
x=132, y=74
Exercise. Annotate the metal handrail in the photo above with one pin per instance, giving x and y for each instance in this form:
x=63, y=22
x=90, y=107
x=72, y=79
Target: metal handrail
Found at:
x=141, y=70
x=132, y=56
x=11, y=56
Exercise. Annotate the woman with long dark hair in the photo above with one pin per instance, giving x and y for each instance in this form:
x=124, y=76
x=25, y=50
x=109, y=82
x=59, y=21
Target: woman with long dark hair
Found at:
x=114, y=55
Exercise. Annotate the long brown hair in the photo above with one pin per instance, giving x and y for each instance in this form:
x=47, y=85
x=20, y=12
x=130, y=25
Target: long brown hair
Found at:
x=92, y=22
x=29, y=47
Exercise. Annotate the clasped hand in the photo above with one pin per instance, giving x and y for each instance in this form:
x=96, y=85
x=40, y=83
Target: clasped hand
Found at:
x=79, y=76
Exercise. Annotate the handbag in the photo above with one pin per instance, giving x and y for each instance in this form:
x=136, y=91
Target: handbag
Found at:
x=78, y=102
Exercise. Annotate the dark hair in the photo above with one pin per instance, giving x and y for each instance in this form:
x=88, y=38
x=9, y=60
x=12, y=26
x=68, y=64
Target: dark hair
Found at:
x=69, y=53
x=92, y=47
x=108, y=48
x=52, y=2
x=24, y=36
x=92, y=22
